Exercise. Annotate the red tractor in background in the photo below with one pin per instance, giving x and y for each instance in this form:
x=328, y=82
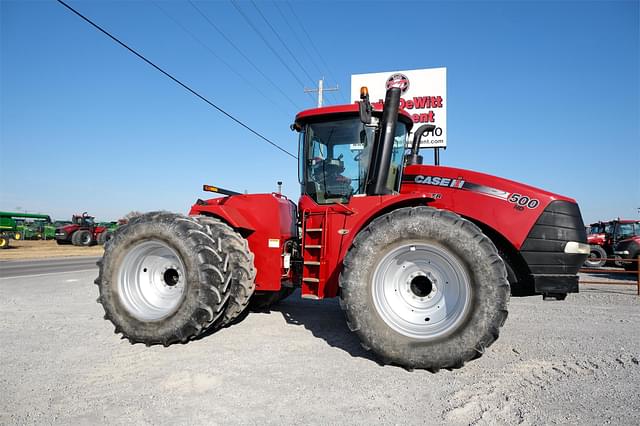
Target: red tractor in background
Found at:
x=82, y=232
x=629, y=249
x=602, y=238
x=423, y=257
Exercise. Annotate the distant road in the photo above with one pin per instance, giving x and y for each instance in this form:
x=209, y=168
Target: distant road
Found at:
x=21, y=268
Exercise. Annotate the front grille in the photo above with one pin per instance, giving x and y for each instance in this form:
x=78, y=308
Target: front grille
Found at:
x=543, y=250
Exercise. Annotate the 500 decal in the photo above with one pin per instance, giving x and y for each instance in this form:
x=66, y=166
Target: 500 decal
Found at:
x=520, y=201
x=523, y=201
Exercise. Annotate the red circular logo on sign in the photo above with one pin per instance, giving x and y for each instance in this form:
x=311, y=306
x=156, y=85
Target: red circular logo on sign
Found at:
x=398, y=80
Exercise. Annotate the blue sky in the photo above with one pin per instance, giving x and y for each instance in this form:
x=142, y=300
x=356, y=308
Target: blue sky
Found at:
x=546, y=93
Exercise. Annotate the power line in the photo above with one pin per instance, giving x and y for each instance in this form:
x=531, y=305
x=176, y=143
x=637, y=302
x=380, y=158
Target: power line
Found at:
x=297, y=19
x=255, y=29
x=105, y=32
x=281, y=41
x=302, y=46
x=219, y=31
x=205, y=46
x=284, y=18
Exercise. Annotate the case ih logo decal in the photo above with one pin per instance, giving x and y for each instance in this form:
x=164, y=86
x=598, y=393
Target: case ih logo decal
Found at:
x=439, y=181
x=520, y=201
x=398, y=80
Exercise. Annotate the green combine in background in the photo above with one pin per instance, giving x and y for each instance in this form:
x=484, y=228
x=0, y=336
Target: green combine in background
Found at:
x=111, y=226
x=18, y=226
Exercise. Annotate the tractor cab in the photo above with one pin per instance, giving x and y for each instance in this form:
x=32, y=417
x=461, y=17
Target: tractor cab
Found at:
x=83, y=220
x=341, y=153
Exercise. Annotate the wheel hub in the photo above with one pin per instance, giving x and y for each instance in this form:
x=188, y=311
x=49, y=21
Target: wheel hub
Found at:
x=421, y=284
x=151, y=281
x=171, y=276
x=421, y=290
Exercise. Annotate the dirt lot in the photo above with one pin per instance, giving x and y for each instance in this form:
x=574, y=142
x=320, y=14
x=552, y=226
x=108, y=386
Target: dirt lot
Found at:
x=572, y=362
x=38, y=249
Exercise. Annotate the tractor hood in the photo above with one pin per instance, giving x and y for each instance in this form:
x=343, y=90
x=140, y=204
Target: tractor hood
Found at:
x=597, y=239
x=67, y=228
x=509, y=207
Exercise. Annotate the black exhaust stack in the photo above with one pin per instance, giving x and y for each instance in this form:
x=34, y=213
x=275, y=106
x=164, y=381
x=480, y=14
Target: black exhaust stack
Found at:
x=383, y=145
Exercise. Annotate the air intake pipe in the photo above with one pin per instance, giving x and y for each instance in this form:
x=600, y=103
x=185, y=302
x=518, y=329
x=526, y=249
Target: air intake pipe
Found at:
x=383, y=145
x=414, y=157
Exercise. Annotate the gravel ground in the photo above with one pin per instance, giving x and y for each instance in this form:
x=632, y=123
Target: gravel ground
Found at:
x=572, y=362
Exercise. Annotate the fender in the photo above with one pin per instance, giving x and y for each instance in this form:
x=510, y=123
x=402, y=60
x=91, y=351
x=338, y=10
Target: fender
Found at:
x=229, y=214
x=267, y=221
x=508, y=207
x=367, y=213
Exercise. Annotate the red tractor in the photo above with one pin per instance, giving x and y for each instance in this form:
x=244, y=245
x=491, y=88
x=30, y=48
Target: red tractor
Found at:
x=422, y=257
x=629, y=249
x=82, y=231
x=603, y=236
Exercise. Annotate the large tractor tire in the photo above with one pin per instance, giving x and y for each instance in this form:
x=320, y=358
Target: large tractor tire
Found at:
x=102, y=238
x=74, y=239
x=424, y=288
x=597, y=257
x=4, y=243
x=82, y=238
x=238, y=260
x=165, y=278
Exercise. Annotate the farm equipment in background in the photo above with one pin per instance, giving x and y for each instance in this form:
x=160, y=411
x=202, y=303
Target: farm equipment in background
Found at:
x=111, y=227
x=422, y=257
x=82, y=231
x=629, y=248
x=37, y=230
x=19, y=226
x=603, y=236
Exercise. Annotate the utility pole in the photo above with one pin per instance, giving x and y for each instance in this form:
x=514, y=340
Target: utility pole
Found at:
x=321, y=90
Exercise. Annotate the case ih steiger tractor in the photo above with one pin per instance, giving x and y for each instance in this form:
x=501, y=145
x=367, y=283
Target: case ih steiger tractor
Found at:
x=603, y=237
x=82, y=231
x=421, y=256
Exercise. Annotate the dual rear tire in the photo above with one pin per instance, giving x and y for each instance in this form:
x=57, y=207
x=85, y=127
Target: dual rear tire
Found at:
x=82, y=238
x=168, y=278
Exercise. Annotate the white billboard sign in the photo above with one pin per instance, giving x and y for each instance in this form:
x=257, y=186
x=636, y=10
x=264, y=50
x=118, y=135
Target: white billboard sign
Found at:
x=424, y=94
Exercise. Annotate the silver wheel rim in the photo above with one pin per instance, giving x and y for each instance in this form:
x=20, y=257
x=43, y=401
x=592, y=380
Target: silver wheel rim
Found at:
x=421, y=291
x=151, y=280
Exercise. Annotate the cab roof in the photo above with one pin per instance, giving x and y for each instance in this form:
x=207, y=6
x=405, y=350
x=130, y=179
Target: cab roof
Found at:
x=346, y=110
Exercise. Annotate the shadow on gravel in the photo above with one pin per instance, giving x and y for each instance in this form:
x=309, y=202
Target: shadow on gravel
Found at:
x=630, y=291
x=624, y=278
x=325, y=320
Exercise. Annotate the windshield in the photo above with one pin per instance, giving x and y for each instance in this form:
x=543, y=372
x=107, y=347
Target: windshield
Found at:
x=596, y=229
x=626, y=230
x=335, y=159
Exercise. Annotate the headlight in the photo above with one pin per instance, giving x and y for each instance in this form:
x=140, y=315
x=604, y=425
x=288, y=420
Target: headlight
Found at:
x=574, y=247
